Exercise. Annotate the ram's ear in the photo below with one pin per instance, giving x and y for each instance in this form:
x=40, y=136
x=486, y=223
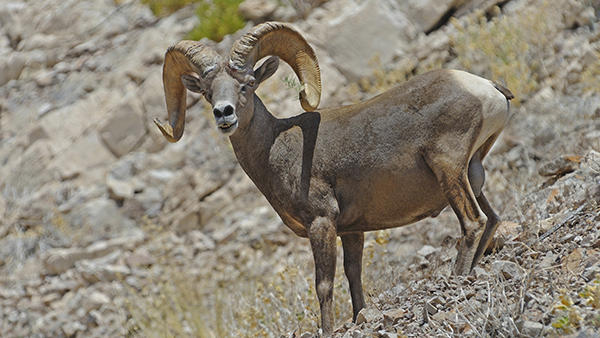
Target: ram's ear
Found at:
x=192, y=83
x=267, y=69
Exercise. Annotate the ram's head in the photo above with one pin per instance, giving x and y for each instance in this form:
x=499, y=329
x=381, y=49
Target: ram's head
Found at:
x=229, y=83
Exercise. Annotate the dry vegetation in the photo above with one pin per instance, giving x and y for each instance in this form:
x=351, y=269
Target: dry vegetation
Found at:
x=251, y=299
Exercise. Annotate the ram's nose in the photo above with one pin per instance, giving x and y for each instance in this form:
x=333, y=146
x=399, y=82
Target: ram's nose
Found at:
x=223, y=111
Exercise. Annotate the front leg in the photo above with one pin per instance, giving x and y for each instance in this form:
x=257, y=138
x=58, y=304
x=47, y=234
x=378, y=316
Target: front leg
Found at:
x=322, y=236
x=353, y=252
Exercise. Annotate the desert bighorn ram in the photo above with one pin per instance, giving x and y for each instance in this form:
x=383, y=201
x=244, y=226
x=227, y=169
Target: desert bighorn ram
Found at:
x=383, y=163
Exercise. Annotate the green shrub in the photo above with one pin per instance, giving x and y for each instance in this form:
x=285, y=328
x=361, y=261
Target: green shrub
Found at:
x=162, y=8
x=217, y=19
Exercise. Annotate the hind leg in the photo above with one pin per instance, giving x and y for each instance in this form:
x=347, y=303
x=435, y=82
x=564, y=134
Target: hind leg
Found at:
x=452, y=174
x=476, y=174
x=477, y=179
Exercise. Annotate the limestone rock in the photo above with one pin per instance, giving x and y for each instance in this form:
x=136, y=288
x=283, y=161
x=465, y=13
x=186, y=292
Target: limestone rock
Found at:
x=507, y=269
x=358, y=37
x=102, y=269
x=66, y=124
x=427, y=251
x=257, y=10
x=529, y=328
x=561, y=165
x=427, y=13
x=60, y=260
x=125, y=128
x=391, y=317
x=368, y=315
x=140, y=258
x=199, y=241
x=10, y=68
x=81, y=159
x=25, y=172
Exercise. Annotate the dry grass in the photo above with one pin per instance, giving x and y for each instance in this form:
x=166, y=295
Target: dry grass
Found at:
x=178, y=303
x=506, y=49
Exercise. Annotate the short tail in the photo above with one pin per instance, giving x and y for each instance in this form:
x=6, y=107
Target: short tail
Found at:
x=505, y=91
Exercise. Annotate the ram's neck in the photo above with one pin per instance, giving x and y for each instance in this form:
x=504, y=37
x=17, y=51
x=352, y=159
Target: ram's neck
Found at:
x=278, y=154
x=254, y=138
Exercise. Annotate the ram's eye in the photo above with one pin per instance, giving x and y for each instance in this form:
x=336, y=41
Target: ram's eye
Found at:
x=251, y=83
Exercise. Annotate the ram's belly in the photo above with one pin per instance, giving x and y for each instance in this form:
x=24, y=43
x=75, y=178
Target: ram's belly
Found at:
x=387, y=200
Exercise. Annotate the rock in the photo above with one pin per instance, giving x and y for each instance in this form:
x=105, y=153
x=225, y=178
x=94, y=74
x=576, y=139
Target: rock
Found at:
x=385, y=334
x=122, y=180
x=58, y=286
x=357, y=38
x=81, y=158
x=591, y=272
x=368, y=315
x=70, y=120
x=506, y=231
x=151, y=94
x=151, y=200
x=354, y=333
x=11, y=67
x=392, y=317
x=120, y=190
x=70, y=328
x=590, y=57
x=426, y=251
x=429, y=310
x=587, y=333
x=101, y=217
x=561, y=165
x=480, y=273
x=26, y=171
x=257, y=10
x=529, y=329
x=123, y=131
x=102, y=269
x=544, y=136
x=39, y=41
x=199, y=241
x=159, y=176
x=188, y=222
x=57, y=261
x=140, y=258
x=426, y=14
x=509, y=270
x=94, y=301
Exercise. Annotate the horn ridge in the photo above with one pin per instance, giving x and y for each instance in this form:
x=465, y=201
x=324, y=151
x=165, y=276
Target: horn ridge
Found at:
x=182, y=58
x=282, y=40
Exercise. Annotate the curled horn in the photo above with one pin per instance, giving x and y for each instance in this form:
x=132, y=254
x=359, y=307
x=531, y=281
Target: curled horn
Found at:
x=280, y=39
x=184, y=57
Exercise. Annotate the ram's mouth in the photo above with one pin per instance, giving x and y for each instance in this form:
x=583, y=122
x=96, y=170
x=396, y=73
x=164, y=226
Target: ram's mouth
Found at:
x=228, y=128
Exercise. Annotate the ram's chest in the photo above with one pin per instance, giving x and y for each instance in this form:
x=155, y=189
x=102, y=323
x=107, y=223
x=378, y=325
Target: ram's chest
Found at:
x=285, y=161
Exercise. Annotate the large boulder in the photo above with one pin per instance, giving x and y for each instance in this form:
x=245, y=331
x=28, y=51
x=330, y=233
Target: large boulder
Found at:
x=426, y=14
x=375, y=29
x=86, y=158
x=124, y=129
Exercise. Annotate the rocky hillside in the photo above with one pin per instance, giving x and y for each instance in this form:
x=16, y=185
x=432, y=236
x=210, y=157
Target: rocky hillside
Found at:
x=108, y=230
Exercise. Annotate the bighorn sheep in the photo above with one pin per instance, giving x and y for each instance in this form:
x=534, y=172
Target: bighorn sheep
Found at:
x=386, y=162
